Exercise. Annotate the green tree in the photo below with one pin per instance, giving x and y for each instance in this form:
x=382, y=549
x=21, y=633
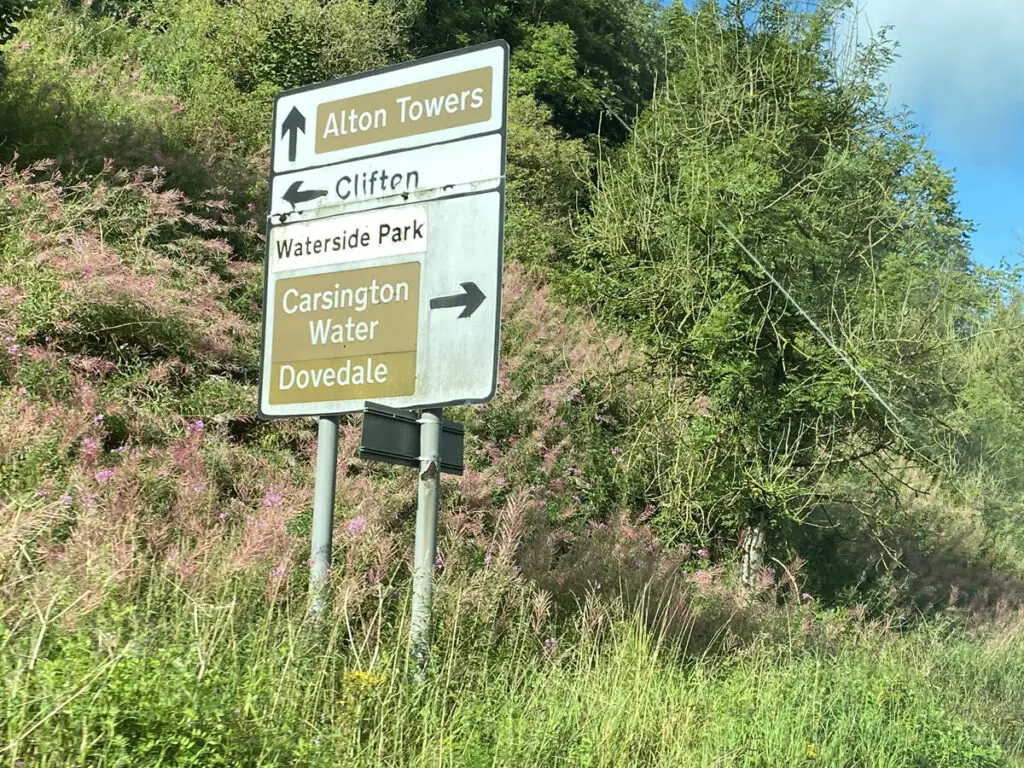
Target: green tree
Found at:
x=583, y=57
x=762, y=169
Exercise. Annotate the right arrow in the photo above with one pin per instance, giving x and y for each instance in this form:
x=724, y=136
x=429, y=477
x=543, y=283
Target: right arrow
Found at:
x=471, y=299
x=292, y=124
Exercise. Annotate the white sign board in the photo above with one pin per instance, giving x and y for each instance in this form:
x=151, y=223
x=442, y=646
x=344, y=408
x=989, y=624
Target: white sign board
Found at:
x=319, y=130
x=467, y=165
x=383, y=267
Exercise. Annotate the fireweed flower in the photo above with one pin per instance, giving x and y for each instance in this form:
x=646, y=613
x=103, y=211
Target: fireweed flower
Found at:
x=66, y=501
x=703, y=552
x=103, y=475
x=549, y=647
x=356, y=526
x=271, y=499
x=42, y=493
x=196, y=427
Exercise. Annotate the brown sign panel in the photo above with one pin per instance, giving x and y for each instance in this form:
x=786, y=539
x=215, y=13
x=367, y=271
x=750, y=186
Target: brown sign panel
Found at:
x=450, y=101
x=345, y=335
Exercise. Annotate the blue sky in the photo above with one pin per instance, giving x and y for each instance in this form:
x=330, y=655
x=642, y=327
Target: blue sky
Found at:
x=961, y=70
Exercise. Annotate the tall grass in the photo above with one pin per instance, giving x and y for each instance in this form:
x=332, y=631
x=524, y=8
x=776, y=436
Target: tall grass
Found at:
x=179, y=677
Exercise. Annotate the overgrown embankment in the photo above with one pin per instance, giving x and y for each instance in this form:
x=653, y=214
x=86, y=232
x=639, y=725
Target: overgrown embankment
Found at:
x=154, y=532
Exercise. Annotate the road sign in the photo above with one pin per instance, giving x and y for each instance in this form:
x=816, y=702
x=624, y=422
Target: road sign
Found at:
x=383, y=272
x=392, y=435
x=410, y=176
x=400, y=305
x=371, y=140
x=383, y=268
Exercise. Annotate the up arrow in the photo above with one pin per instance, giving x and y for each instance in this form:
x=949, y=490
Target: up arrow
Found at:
x=471, y=299
x=292, y=124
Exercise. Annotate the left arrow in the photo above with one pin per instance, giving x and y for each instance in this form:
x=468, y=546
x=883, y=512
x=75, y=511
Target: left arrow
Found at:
x=295, y=196
x=292, y=124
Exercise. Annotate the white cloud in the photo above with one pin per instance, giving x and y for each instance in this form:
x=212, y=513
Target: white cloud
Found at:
x=961, y=67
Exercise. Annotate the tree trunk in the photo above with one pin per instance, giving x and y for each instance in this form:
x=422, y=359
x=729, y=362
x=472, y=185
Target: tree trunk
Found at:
x=753, y=551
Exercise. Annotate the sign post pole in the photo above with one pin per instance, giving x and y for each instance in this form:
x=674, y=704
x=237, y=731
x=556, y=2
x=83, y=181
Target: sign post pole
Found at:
x=323, y=511
x=426, y=534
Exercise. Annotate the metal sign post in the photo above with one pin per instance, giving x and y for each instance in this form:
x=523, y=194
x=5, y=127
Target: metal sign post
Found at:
x=435, y=446
x=426, y=534
x=382, y=277
x=323, y=510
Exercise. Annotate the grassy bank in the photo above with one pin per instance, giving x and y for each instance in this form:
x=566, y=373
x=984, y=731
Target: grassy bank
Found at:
x=231, y=678
x=154, y=532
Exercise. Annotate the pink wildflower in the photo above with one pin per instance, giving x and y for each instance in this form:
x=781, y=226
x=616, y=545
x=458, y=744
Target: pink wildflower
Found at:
x=103, y=475
x=550, y=645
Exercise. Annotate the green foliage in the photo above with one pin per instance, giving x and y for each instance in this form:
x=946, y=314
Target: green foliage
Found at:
x=218, y=681
x=11, y=12
x=764, y=148
x=546, y=182
x=583, y=57
x=186, y=84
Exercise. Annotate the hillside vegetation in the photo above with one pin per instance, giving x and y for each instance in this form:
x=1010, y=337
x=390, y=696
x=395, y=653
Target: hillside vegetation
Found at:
x=750, y=490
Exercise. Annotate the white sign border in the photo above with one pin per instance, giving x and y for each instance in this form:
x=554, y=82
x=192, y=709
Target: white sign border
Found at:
x=500, y=255
x=358, y=405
